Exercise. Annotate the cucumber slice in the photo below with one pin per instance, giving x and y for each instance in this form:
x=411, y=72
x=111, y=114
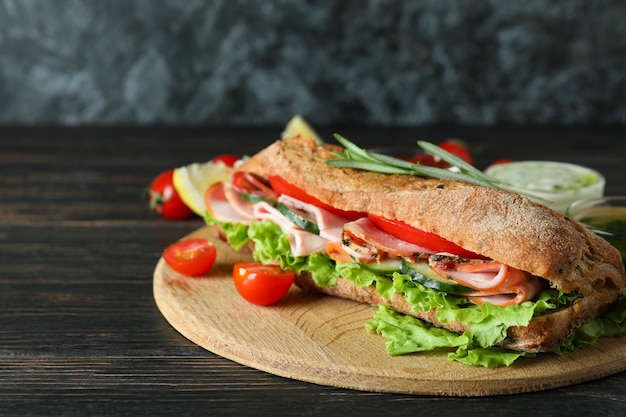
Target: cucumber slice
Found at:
x=422, y=273
x=297, y=219
x=291, y=215
x=386, y=267
x=253, y=199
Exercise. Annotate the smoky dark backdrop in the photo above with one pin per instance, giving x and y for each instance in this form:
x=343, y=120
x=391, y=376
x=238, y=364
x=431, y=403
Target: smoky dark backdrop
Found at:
x=360, y=62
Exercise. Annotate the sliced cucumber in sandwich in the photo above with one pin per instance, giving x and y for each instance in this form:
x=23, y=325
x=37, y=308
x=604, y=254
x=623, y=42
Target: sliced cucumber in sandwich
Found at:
x=422, y=273
x=291, y=215
x=386, y=267
x=297, y=219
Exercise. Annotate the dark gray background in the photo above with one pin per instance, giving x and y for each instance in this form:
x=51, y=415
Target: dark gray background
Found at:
x=365, y=62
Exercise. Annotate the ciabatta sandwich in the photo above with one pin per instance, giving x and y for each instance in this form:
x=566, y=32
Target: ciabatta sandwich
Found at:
x=493, y=268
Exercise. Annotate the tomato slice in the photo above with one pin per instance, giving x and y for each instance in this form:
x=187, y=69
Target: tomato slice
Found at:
x=262, y=284
x=227, y=159
x=280, y=186
x=422, y=238
x=192, y=256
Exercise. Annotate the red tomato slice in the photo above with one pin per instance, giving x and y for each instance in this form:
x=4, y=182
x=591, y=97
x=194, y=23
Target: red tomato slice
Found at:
x=262, y=284
x=227, y=159
x=280, y=186
x=458, y=148
x=419, y=237
x=192, y=256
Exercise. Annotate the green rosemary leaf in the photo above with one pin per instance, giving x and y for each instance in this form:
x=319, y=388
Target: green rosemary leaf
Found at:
x=359, y=158
x=451, y=159
x=368, y=166
x=434, y=172
x=352, y=151
x=390, y=160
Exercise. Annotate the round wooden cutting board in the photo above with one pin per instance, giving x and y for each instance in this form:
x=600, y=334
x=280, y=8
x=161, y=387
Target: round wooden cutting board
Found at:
x=323, y=340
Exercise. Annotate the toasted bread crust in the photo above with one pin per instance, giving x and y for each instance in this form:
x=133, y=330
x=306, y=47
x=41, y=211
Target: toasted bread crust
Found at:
x=501, y=225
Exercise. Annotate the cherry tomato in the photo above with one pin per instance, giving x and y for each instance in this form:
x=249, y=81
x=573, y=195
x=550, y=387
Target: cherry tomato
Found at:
x=500, y=162
x=262, y=284
x=419, y=237
x=458, y=148
x=280, y=186
x=427, y=159
x=164, y=198
x=192, y=256
x=227, y=159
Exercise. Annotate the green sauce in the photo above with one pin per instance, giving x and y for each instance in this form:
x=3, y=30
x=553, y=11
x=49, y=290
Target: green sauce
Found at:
x=554, y=184
x=545, y=176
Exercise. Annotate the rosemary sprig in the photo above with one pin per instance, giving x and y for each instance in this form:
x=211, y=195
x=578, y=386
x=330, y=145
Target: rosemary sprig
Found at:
x=359, y=158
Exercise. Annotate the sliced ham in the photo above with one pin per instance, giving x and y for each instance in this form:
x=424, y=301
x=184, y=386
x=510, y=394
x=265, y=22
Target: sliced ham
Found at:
x=221, y=208
x=474, y=274
x=363, y=236
x=302, y=243
x=495, y=282
x=514, y=294
x=237, y=202
x=330, y=224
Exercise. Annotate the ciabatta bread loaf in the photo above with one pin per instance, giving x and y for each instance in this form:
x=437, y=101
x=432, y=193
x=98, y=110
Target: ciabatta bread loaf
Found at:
x=499, y=225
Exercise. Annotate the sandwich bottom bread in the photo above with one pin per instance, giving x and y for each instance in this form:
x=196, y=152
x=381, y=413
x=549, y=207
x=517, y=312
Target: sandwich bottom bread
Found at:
x=485, y=273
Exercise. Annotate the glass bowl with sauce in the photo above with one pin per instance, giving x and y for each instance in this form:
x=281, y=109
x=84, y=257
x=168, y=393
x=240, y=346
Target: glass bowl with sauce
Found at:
x=605, y=216
x=551, y=183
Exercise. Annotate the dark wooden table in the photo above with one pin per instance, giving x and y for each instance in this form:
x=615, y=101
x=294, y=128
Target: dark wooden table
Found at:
x=80, y=333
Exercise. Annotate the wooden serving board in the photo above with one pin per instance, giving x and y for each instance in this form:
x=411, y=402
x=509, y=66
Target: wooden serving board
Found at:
x=323, y=340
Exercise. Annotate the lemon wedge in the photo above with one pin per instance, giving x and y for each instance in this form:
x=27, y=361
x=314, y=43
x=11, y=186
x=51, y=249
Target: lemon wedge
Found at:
x=298, y=126
x=191, y=182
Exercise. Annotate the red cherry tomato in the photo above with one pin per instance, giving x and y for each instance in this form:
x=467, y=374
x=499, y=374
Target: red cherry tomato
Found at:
x=280, y=186
x=192, y=256
x=262, y=284
x=427, y=159
x=500, y=162
x=458, y=148
x=164, y=198
x=227, y=159
x=419, y=237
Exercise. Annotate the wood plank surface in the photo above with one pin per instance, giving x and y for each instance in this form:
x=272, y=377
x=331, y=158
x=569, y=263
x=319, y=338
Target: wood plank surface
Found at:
x=81, y=334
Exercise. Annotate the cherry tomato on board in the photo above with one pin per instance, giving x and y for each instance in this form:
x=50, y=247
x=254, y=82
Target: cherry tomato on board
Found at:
x=458, y=148
x=227, y=159
x=192, y=256
x=262, y=284
x=421, y=238
x=164, y=198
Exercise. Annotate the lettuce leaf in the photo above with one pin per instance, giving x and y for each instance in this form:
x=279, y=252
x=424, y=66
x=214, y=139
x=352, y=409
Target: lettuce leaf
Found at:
x=236, y=233
x=612, y=323
x=404, y=334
